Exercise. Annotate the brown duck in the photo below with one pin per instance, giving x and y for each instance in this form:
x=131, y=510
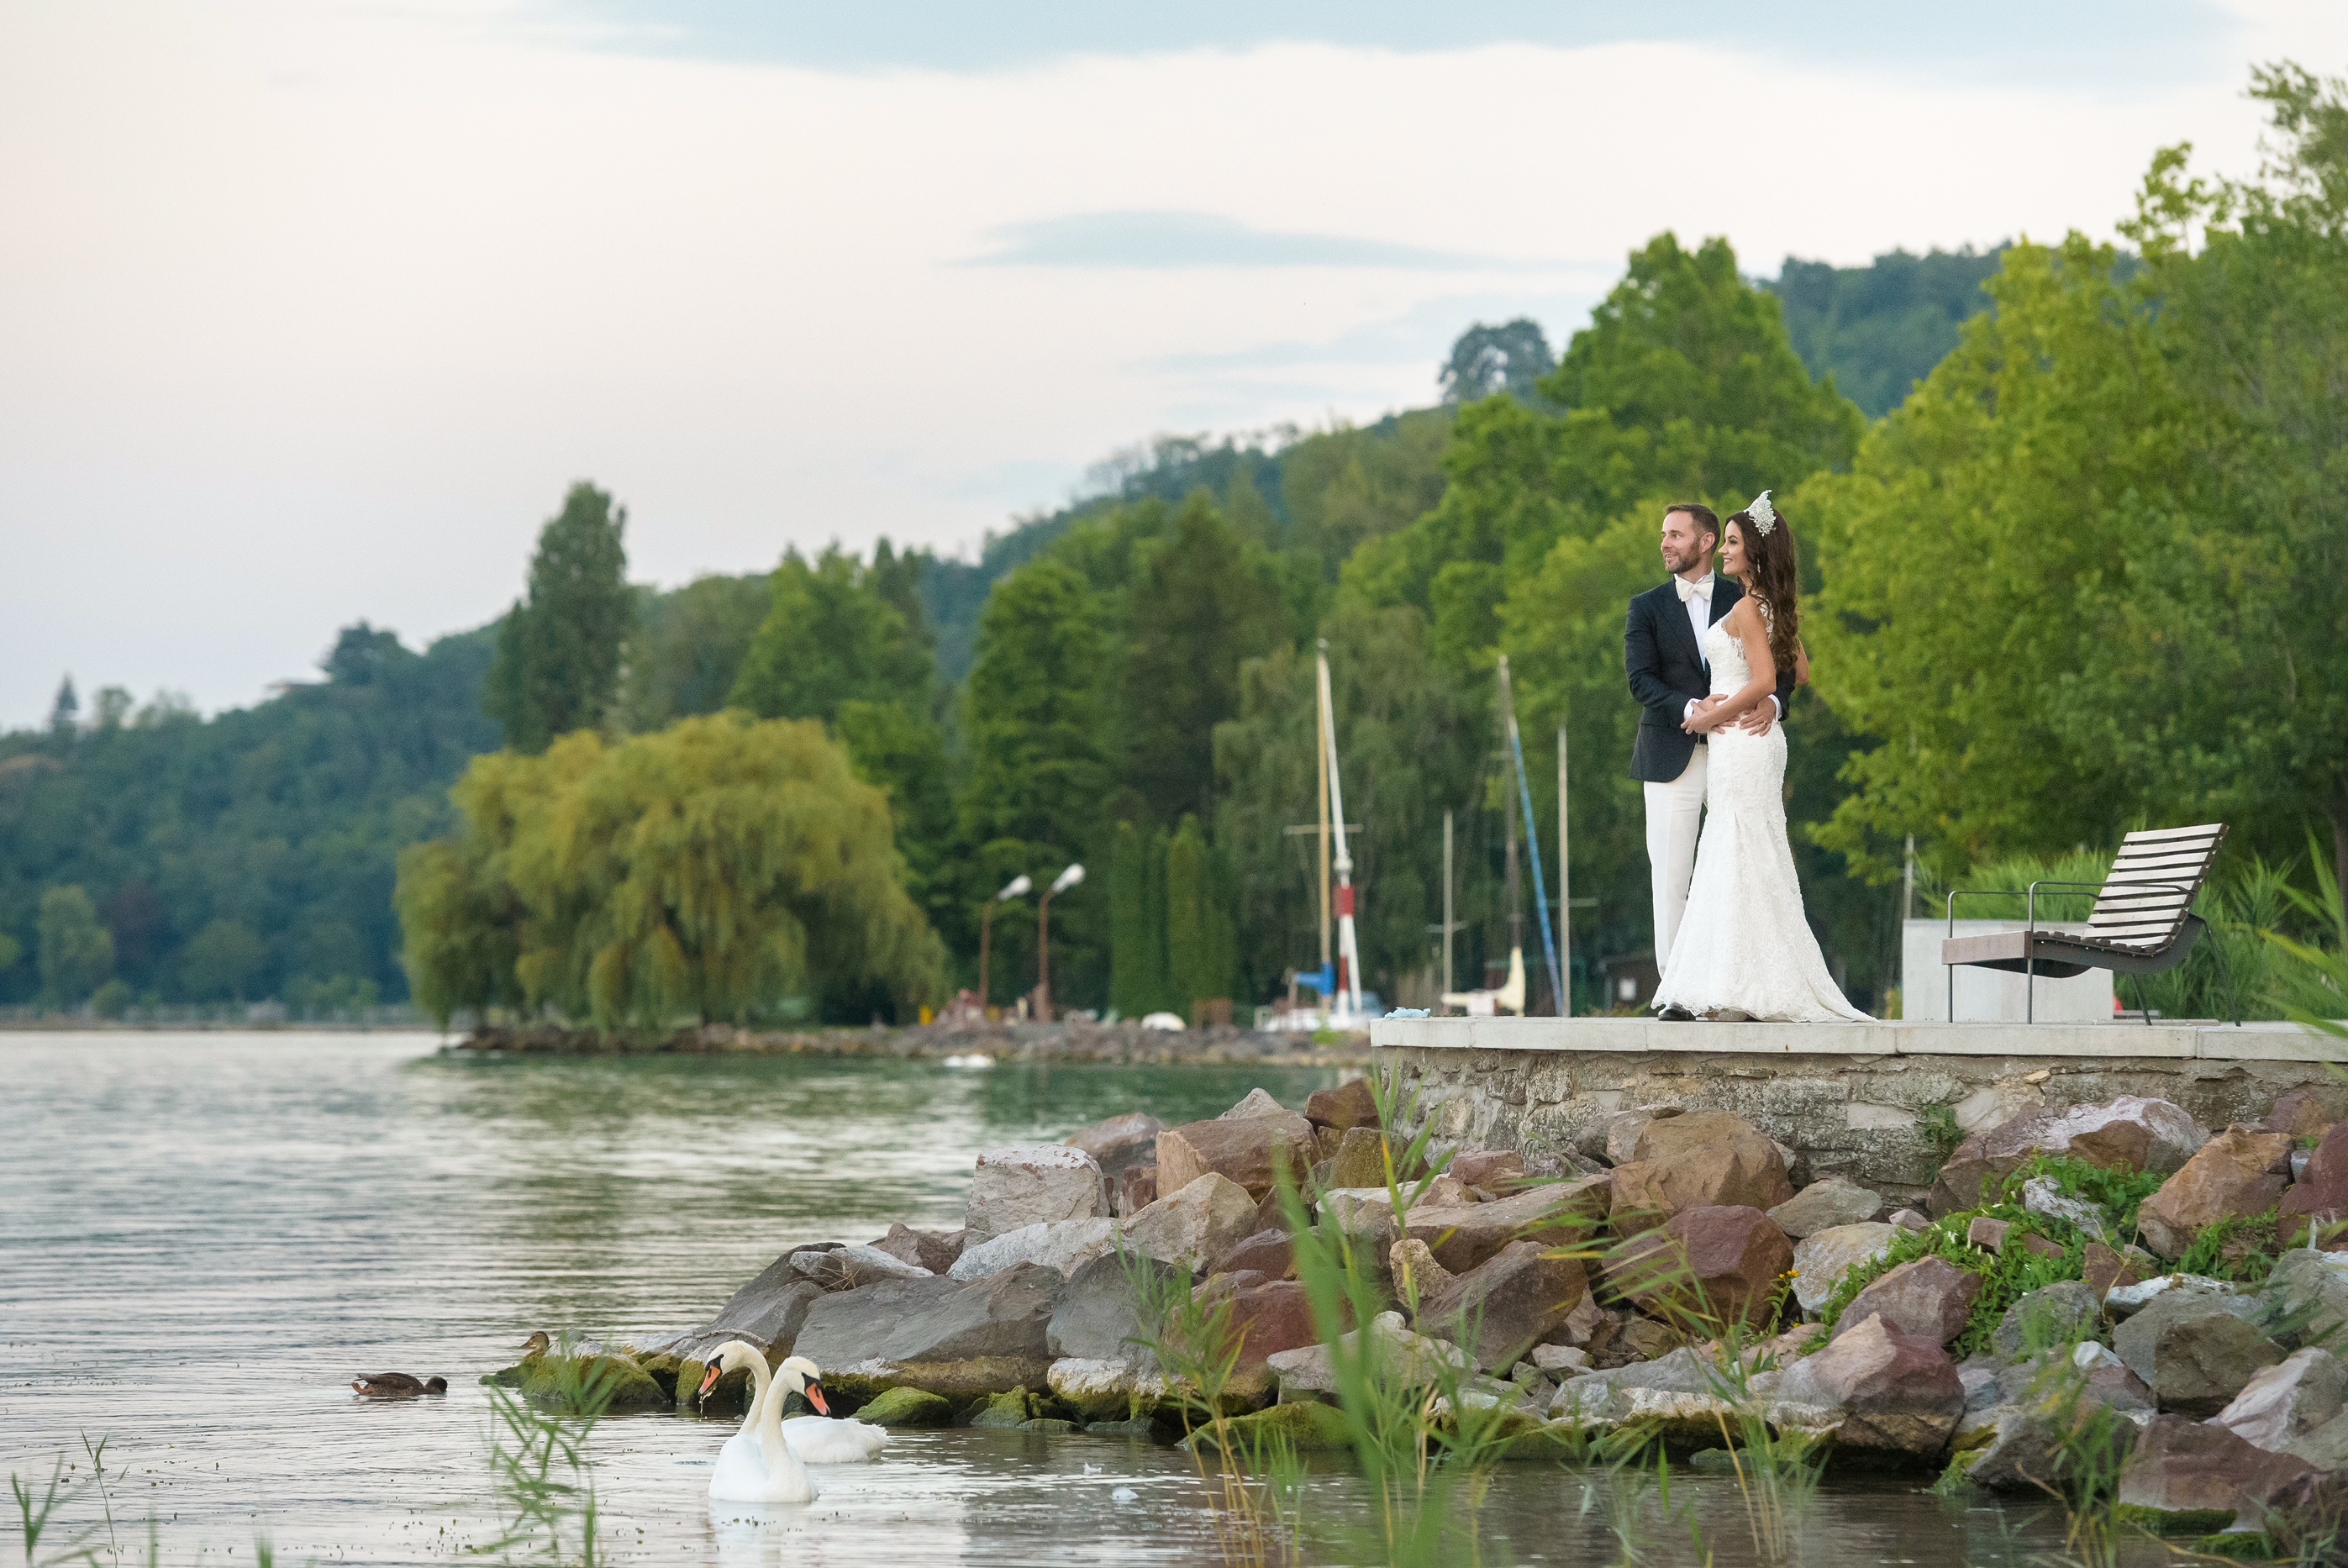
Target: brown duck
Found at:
x=397, y=1386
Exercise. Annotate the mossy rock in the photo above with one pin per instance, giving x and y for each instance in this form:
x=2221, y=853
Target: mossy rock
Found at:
x=1309, y=1426
x=557, y=1381
x=1009, y=1409
x=1712, y=1462
x=1047, y=1425
x=2186, y=1521
x=908, y=1407
x=1139, y=1428
x=668, y=1369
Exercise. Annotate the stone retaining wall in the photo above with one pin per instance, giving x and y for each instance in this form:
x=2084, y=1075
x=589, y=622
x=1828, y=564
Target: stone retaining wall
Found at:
x=1860, y=1115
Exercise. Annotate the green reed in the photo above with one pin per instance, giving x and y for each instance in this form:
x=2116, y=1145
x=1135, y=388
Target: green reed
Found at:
x=539, y=1470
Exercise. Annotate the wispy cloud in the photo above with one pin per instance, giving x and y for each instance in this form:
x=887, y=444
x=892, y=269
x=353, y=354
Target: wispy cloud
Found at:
x=1167, y=241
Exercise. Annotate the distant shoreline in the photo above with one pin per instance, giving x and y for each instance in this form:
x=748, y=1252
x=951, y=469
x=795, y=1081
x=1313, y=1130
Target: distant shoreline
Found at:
x=1076, y=1042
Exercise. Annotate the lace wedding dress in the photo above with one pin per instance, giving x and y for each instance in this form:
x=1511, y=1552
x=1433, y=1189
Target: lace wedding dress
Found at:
x=1744, y=943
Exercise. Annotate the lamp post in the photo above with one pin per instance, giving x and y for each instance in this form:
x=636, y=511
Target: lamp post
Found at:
x=1064, y=881
x=1010, y=890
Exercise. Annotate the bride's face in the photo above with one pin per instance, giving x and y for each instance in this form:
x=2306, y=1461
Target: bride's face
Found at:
x=1732, y=550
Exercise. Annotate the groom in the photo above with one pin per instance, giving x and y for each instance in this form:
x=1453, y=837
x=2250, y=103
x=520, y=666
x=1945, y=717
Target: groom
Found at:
x=1663, y=650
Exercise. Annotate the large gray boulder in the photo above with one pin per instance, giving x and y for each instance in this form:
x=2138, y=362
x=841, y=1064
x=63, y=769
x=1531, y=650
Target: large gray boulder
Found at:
x=1827, y=1205
x=767, y=1311
x=1823, y=1257
x=2052, y=1315
x=1682, y=1397
x=2306, y=1297
x=2197, y=1344
x=1032, y=1185
x=1064, y=1245
x=953, y=1338
x=2060, y=1415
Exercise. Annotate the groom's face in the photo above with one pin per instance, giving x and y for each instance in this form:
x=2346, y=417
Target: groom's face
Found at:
x=1685, y=546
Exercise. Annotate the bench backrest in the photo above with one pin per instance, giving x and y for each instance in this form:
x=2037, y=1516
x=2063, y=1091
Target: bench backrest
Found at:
x=2150, y=891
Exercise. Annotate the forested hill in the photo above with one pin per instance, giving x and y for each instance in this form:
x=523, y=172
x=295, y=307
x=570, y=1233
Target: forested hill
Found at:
x=251, y=855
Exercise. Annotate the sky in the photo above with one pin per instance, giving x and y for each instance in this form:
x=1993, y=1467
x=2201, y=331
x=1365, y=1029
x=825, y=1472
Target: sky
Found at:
x=310, y=310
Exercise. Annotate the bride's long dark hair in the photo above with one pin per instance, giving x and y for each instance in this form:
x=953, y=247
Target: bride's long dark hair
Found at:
x=1772, y=577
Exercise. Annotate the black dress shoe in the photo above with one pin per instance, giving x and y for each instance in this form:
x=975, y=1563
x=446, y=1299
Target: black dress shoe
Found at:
x=1676, y=1015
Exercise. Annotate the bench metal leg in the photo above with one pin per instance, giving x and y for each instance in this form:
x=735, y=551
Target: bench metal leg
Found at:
x=2030, y=988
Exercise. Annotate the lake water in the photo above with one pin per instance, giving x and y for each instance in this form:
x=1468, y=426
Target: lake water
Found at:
x=203, y=1237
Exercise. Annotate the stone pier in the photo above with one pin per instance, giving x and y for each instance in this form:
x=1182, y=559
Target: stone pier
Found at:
x=1861, y=1100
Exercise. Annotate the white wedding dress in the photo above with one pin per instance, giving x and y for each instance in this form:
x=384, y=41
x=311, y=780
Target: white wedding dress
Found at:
x=1744, y=943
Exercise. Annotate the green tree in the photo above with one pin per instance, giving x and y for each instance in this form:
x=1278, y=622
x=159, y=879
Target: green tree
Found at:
x=1137, y=914
x=1489, y=360
x=1202, y=945
x=11, y=950
x=221, y=961
x=1199, y=604
x=559, y=650
x=830, y=637
x=686, y=648
x=716, y=869
x=76, y=951
x=1879, y=329
x=1035, y=781
x=2044, y=468
x=2249, y=711
x=844, y=643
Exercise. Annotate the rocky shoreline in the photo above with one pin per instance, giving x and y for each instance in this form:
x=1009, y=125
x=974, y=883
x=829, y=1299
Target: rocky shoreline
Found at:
x=2110, y=1286
x=1068, y=1042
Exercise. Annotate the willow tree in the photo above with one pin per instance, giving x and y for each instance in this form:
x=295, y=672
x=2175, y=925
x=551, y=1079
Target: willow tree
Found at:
x=712, y=871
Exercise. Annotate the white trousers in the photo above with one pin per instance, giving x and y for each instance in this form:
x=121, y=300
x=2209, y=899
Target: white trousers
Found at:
x=1674, y=814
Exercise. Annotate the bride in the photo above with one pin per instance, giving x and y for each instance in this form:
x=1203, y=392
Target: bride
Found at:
x=1745, y=949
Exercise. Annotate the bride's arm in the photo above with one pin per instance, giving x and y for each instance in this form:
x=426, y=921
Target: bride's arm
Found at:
x=1745, y=625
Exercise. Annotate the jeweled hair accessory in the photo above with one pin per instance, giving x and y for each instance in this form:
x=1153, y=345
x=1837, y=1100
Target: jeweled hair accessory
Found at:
x=1764, y=515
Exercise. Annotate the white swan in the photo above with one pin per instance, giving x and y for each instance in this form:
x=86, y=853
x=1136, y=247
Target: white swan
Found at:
x=765, y=1471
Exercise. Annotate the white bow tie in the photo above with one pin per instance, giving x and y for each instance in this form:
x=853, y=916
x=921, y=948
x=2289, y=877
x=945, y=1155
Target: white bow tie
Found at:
x=1698, y=590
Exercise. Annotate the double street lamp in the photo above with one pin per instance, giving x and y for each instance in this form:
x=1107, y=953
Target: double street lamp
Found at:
x=1010, y=890
x=1066, y=880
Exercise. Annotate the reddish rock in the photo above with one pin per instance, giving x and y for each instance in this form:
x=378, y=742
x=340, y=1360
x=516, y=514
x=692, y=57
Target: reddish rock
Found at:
x=1559, y=1213
x=1360, y=1160
x=1270, y=1317
x=2183, y=1466
x=1503, y=1306
x=1137, y=1188
x=1347, y=1105
x=1702, y=1159
x=2109, y=1269
x=2301, y=1113
x=932, y=1250
x=1019, y=1185
x=2240, y=1172
x=1706, y=1265
x=1930, y=1298
x=2321, y=1195
x=1898, y=1392
x=1498, y=1171
x=1246, y=1149
x=1270, y=1253
x=2131, y=1133
x=1987, y=1234
x=1120, y=1142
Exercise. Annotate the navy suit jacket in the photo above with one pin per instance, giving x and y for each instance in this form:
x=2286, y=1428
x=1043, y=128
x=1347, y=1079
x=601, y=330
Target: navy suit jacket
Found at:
x=1667, y=672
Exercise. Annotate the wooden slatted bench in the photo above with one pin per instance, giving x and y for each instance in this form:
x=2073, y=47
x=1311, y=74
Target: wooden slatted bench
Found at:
x=2143, y=921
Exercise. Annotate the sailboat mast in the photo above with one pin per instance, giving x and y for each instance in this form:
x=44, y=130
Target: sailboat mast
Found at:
x=1349, y=952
